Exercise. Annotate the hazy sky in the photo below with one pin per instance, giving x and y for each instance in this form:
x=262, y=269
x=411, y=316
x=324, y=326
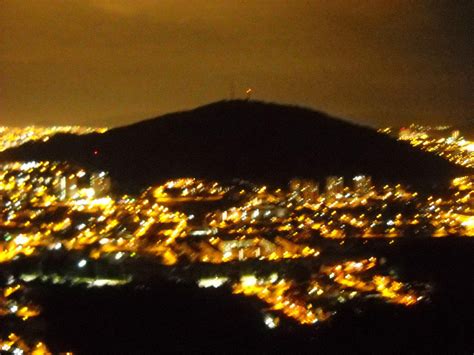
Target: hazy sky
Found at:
x=107, y=62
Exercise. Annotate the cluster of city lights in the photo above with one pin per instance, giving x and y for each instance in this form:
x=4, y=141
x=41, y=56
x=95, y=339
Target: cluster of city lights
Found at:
x=13, y=304
x=15, y=345
x=57, y=207
x=307, y=303
x=11, y=137
x=443, y=141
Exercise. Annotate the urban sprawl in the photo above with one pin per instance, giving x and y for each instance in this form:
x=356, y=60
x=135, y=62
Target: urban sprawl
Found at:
x=49, y=208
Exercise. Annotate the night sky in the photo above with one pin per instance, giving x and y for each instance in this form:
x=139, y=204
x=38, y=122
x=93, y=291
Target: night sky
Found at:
x=106, y=62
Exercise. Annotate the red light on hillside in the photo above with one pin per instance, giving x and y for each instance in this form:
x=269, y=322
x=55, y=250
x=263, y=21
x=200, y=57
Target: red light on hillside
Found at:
x=96, y=152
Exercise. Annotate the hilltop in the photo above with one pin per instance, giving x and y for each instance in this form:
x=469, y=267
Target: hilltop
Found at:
x=258, y=141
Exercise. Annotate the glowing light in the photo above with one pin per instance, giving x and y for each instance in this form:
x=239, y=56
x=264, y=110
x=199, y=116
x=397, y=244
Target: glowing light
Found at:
x=271, y=321
x=212, y=282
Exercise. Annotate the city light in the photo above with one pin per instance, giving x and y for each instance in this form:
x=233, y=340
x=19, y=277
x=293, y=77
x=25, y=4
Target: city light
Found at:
x=58, y=207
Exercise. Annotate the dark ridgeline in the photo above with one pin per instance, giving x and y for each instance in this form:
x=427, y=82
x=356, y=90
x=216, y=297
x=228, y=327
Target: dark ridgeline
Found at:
x=258, y=141
x=466, y=129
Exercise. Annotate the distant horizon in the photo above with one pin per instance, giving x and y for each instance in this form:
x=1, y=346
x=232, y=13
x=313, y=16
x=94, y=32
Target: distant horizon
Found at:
x=144, y=117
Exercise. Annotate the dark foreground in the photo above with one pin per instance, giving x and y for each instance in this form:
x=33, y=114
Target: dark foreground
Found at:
x=161, y=315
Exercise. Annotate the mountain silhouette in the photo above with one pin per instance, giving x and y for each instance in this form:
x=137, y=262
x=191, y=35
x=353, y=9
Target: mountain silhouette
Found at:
x=261, y=142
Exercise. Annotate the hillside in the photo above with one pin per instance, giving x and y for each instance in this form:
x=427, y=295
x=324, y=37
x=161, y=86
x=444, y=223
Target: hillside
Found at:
x=466, y=129
x=251, y=140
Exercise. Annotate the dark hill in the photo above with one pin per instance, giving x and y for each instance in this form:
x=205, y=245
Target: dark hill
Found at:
x=466, y=129
x=251, y=140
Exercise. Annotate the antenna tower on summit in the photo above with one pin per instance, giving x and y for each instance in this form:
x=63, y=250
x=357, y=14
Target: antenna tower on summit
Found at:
x=248, y=94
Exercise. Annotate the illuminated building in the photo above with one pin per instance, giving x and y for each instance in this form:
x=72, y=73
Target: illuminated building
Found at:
x=71, y=186
x=66, y=187
x=100, y=182
x=334, y=186
x=304, y=190
x=362, y=184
